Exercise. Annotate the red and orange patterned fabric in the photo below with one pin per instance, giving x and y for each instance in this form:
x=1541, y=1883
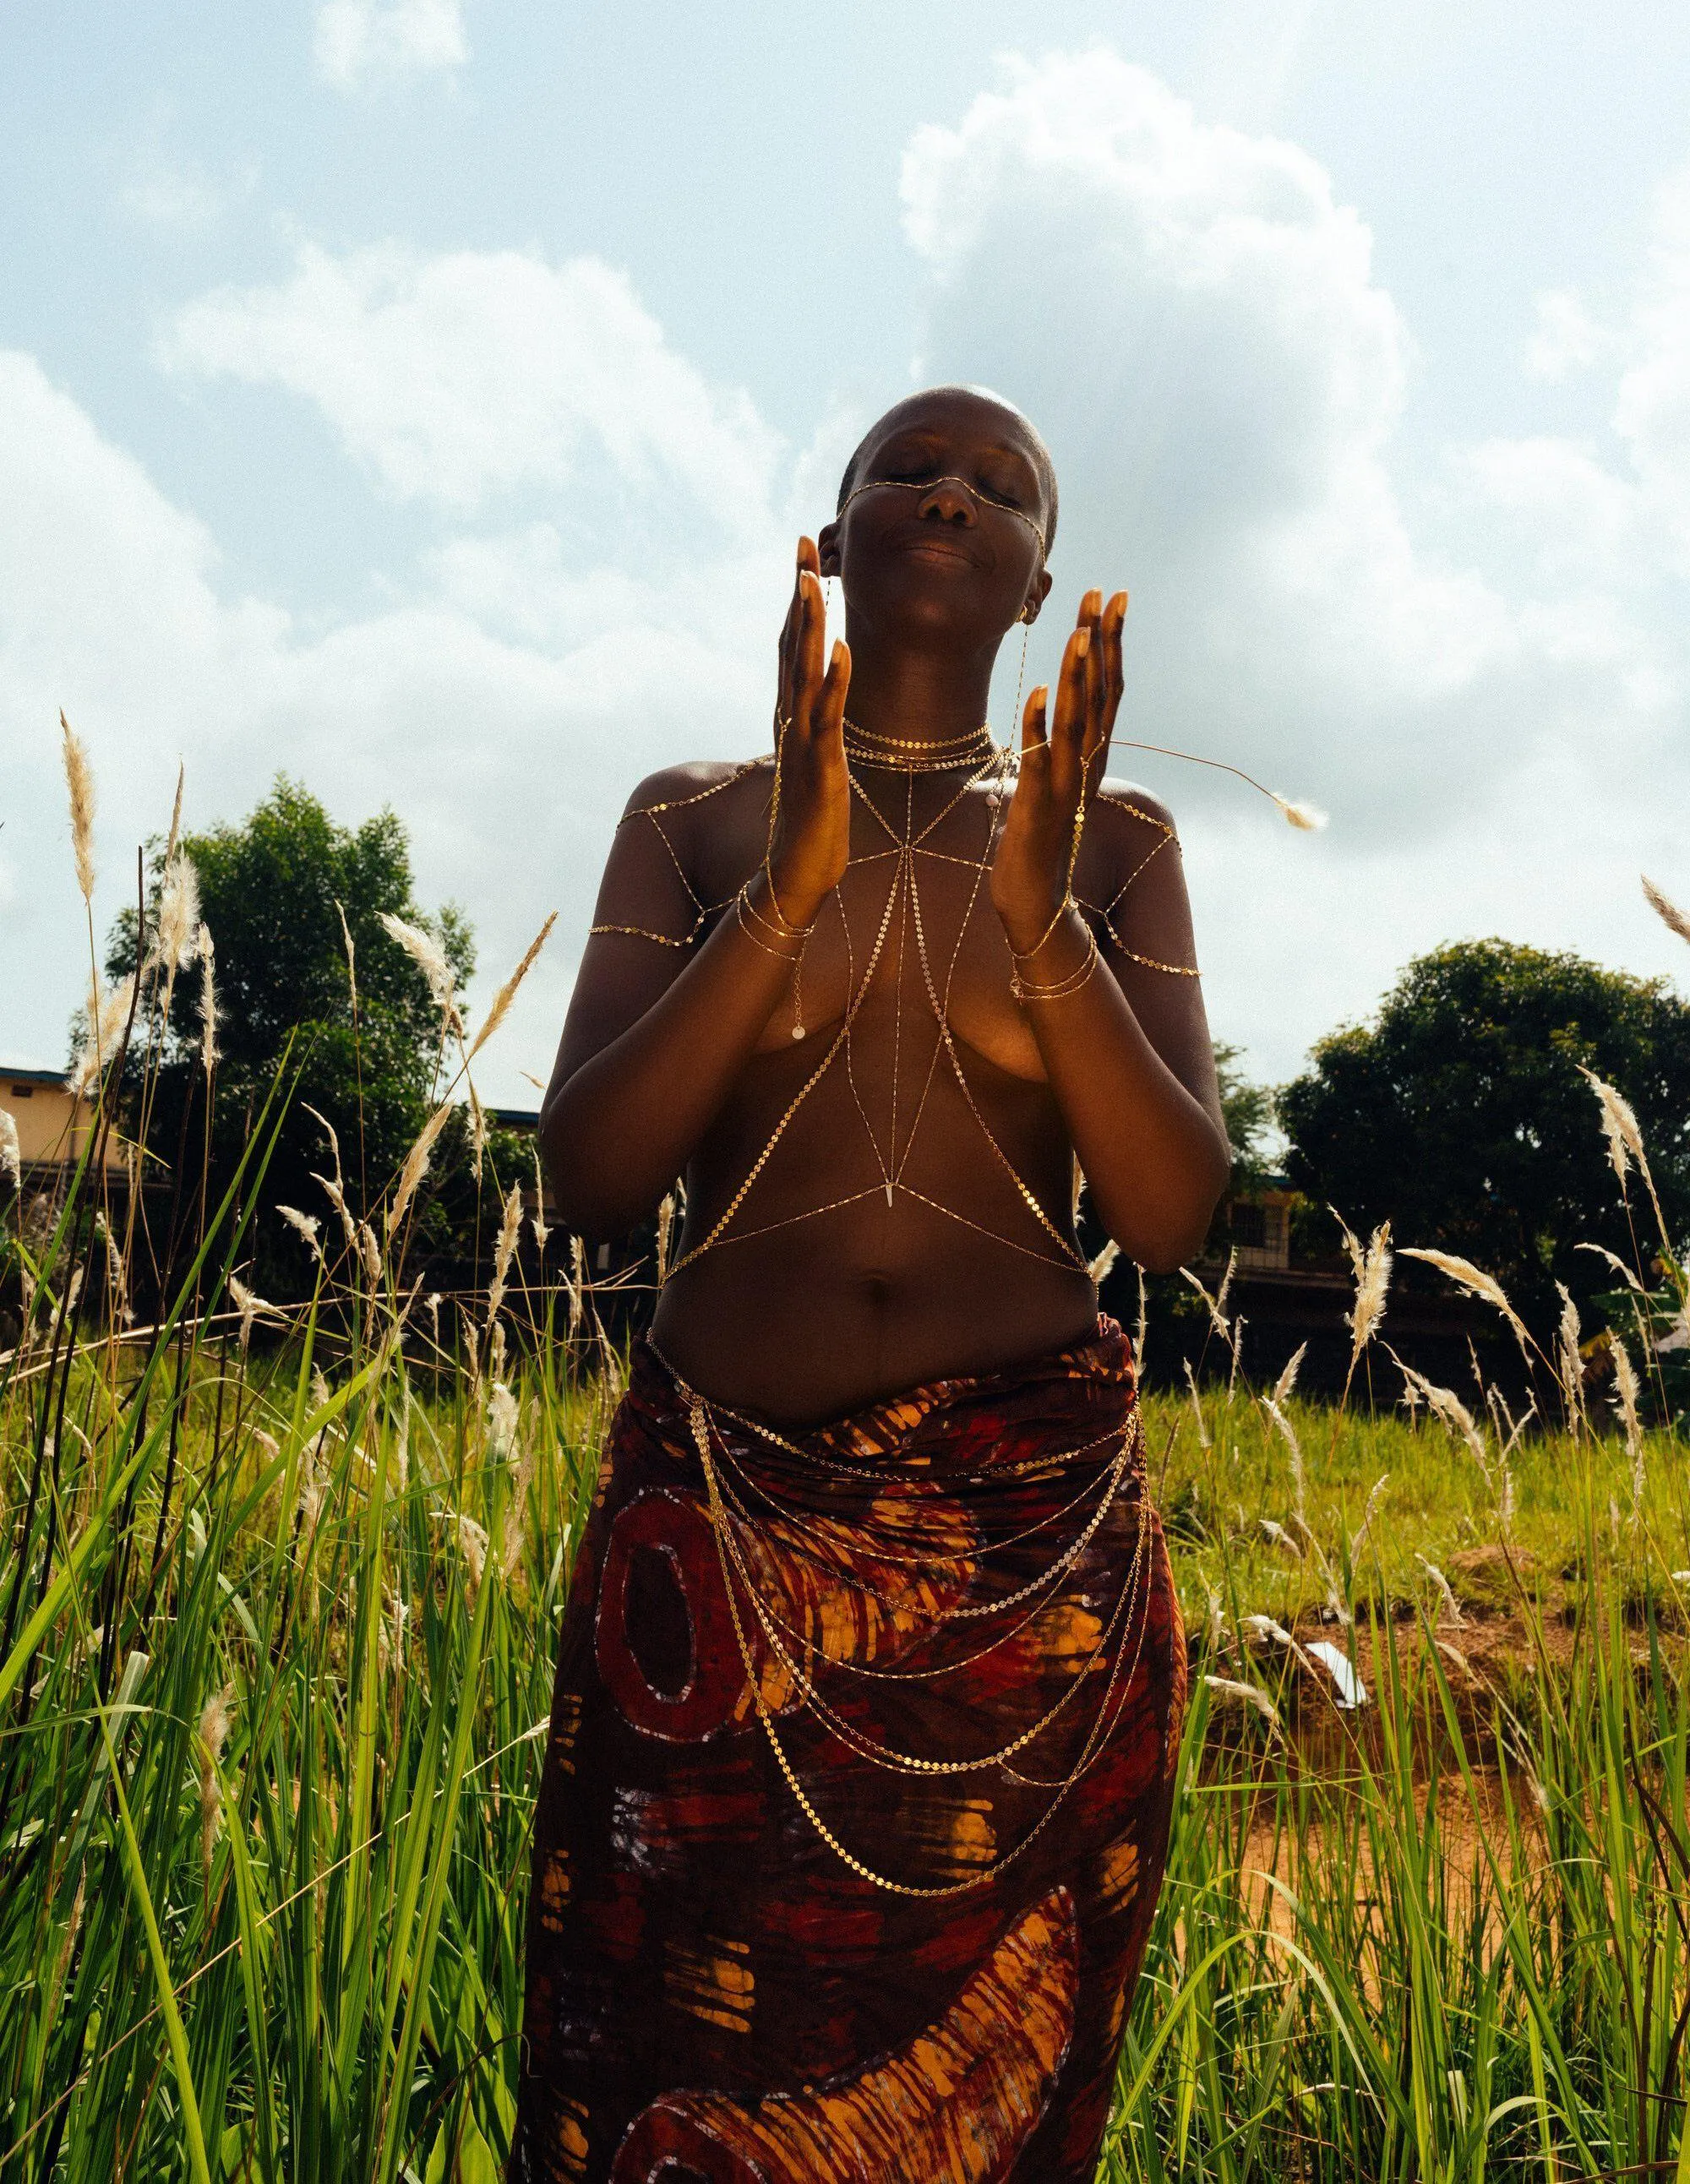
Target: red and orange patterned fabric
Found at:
x=967, y=1573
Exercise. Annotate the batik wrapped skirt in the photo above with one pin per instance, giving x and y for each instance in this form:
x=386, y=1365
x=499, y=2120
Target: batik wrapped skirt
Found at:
x=856, y=1798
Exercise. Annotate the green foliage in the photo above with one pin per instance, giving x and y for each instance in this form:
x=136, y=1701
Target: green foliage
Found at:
x=272, y=891
x=1248, y=1110
x=1460, y=1113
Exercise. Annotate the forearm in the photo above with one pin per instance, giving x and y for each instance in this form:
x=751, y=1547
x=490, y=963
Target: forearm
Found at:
x=1156, y=1160
x=617, y=1129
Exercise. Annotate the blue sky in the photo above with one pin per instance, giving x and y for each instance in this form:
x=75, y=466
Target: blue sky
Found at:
x=424, y=397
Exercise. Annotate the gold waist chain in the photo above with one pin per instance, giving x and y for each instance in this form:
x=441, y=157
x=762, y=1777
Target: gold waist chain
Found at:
x=1131, y=1608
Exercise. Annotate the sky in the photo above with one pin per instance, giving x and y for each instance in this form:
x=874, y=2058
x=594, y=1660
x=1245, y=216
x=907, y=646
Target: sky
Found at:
x=423, y=398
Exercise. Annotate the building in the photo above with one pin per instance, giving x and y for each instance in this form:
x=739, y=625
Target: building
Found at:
x=53, y=1122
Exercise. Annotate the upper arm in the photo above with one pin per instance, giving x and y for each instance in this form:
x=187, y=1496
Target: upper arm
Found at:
x=649, y=918
x=1143, y=917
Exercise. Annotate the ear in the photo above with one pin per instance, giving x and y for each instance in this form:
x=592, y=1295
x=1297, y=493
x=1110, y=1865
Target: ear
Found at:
x=1037, y=593
x=828, y=550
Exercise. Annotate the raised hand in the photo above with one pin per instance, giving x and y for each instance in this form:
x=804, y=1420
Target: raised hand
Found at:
x=810, y=821
x=1061, y=764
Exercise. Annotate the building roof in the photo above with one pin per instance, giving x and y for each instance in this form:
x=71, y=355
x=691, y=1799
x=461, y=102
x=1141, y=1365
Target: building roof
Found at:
x=16, y=1076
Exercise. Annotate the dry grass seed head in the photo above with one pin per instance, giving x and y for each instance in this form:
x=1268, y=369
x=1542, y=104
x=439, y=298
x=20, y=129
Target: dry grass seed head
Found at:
x=1668, y=912
x=80, y=780
x=507, y=993
x=11, y=1154
x=208, y=1002
x=415, y=1164
x=1476, y=1282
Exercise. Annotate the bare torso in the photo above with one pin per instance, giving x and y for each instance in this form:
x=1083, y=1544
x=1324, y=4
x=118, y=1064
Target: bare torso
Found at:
x=823, y=1290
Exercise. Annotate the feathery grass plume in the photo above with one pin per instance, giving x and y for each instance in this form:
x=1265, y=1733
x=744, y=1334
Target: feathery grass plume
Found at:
x=80, y=780
x=1141, y=1332
x=1304, y=816
x=537, y=1219
x=1216, y=1317
x=1373, y=1279
x=251, y=1306
x=578, y=1284
x=665, y=1229
x=1626, y=1391
x=351, y=955
x=337, y=1198
x=430, y=957
x=477, y=1128
x=472, y=1544
x=1203, y=1441
x=1278, y=1537
x=502, y=1000
x=371, y=1253
x=1619, y=1124
x=1669, y=913
x=214, y=1734
x=115, y=1271
x=1370, y=1510
x=208, y=1002
x=509, y=1229
x=1618, y=1264
x=502, y=1422
x=1103, y=1265
x=308, y=1225
x=1308, y=818
x=1299, y=1485
x=11, y=1154
x=104, y=1014
x=1477, y=1283
x=415, y=1164
x=1238, y=1327
x=1225, y=1289
x=1449, y=1609
x=175, y=832
x=176, y=937
x=432, y=1304
x=1288, y=1380
x=495, y=1351
x=1250, y=1695
x=1569, y=1364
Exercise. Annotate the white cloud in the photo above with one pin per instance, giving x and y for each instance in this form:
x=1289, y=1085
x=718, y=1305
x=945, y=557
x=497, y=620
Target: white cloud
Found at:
x=354, y=40
x=1192, y=318
x=505, y=706
x=172, y=193
x=1566, y=339
x=458, y=377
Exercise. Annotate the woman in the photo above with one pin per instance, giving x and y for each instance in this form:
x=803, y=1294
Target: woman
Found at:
x=856, y=1798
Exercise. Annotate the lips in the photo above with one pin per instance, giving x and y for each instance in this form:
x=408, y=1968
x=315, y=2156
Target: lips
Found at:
x=939, y=551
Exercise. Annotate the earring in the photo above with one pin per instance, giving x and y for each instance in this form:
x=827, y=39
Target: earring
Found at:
x=827, y=604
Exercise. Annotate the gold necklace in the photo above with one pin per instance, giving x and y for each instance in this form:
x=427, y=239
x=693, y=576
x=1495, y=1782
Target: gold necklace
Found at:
x=918, y=754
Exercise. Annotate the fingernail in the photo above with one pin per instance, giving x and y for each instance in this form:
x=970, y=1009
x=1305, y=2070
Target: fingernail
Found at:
x=1082, y=643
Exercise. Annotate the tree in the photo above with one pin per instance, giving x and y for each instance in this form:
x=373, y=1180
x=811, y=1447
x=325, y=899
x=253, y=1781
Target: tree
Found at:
x=1461, y=1114
x=273, y=892
x=1247, y=1111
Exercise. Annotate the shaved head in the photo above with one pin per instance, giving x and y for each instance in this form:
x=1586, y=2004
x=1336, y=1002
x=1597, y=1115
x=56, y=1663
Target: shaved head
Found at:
x=1024, y=429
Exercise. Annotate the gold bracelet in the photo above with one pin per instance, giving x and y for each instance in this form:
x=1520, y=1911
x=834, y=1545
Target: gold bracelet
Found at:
x=1059, y=989
x=780, y=922
x=745, y=908
x=1026, y=955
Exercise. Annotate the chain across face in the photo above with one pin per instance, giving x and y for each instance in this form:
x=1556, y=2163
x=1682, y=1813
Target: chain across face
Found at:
x=947, y=477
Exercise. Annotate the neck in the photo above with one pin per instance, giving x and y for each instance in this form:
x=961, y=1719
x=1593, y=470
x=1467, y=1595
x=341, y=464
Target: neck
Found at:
x=916, y=695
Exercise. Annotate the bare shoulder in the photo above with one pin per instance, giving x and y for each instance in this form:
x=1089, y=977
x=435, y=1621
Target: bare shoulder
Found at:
x=1128, y=810
x=679, y=789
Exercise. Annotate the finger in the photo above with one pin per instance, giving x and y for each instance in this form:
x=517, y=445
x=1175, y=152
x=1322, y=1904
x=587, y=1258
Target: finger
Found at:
x=789, y=633
x=831, y=704
x=807, y=654
x=1033, y=718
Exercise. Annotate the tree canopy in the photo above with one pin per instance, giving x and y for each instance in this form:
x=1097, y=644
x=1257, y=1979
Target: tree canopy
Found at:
x=1461, y=1114
x=366, y=1038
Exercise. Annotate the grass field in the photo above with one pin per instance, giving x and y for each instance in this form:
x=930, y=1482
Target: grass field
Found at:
x=271, y=1745
x=277, y=1619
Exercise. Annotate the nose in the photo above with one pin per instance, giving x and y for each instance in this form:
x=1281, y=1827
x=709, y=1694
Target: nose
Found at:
x=948, y=500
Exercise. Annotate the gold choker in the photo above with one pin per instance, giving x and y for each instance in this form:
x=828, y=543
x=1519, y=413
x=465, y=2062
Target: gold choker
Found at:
x=917, y=754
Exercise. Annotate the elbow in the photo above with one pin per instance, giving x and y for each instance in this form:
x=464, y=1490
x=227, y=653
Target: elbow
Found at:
x=592, y=1201
x=1166, y=1233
